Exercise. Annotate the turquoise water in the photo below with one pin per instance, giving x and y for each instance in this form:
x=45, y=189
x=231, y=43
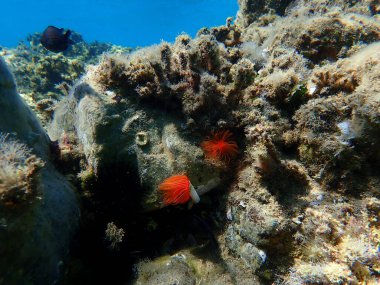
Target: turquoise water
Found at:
x=123, y=22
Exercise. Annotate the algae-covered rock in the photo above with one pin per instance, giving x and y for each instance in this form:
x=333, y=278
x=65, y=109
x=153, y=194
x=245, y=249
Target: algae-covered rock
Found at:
x=17, y=117
x=141, y=111
x=299, y=90
x=339, y=135
x=317, y=31
x=184, y=267
x=166, y=271
x=44, y=77
x=122, y=134
x=39, y=214
x=18, y=171
x=251, y=10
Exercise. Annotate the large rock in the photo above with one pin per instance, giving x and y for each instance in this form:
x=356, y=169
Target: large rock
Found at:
x=36, y=227
x=142, y=113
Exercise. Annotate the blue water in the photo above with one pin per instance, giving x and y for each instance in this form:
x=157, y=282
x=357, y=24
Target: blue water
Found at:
x=123, y=22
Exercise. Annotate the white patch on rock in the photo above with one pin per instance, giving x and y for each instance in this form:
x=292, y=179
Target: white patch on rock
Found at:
x=262, y=255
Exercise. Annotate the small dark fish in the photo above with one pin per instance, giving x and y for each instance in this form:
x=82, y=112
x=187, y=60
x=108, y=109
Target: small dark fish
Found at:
x=55, y=39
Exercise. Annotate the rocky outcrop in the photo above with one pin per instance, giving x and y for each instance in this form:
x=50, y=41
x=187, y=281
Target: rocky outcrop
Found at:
x=251, y=10
x=149, y=112
x=298, y=88
x=43, y=77
x=40, y=215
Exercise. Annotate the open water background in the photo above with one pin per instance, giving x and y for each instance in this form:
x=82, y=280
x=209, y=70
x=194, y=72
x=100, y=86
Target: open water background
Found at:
x=123, y=22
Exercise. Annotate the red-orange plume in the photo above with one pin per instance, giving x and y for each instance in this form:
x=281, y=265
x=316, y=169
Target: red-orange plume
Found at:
x=176, y=190
x=220, y=146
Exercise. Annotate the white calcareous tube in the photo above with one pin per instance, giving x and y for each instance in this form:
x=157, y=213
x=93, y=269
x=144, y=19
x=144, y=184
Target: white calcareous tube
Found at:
x=195, y=193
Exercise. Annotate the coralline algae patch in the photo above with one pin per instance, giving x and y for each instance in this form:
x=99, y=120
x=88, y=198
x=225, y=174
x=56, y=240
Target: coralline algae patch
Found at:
x=277, y=113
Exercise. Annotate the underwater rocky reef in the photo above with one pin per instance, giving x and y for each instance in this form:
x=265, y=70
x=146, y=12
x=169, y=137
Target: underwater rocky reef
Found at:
x=273, y=120
x=43, y=77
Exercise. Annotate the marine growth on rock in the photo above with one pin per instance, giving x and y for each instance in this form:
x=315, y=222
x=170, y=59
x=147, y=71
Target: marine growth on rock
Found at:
x=278, y=113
